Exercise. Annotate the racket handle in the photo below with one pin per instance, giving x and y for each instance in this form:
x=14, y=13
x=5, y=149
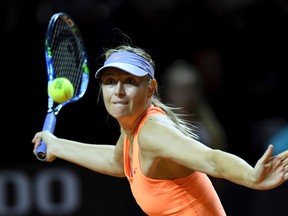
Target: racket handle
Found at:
x=49, y=125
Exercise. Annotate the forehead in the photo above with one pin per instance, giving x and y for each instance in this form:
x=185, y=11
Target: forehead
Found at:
x=114, y=71
x=120, y=74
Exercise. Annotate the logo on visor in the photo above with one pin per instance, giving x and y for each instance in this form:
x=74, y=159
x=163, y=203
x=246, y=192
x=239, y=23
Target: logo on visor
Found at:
x=117, y=57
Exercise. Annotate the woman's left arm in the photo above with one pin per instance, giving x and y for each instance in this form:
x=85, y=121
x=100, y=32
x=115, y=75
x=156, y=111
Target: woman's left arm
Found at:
x=167, y=142
x=269, y=171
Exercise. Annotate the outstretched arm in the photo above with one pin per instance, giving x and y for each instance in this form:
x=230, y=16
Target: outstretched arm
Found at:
x=269, y=171
x=105, y=159
x=168, y=143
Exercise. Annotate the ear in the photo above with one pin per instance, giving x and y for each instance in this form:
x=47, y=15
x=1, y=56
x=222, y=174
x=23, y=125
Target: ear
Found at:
x=152, y=88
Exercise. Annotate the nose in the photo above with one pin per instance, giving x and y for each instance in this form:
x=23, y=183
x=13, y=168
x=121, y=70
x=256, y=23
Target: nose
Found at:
x=119, y=91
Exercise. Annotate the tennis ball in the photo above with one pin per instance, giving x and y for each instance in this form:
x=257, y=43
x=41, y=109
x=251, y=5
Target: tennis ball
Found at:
x=61, y=89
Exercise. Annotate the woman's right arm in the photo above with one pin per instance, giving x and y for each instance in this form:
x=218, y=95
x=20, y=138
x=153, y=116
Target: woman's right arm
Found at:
x=106, y=159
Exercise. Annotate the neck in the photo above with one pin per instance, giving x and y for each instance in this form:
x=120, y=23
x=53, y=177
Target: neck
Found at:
x=130, y=126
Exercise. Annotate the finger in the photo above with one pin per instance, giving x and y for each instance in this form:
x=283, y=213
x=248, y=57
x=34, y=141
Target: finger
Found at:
x=284, y=164
x=267, y=154
x=36, y=144
x=285, y=161
x=284, y=156
x=286, y=176
x=34, y=140
x=285, y=170
x=36, y=136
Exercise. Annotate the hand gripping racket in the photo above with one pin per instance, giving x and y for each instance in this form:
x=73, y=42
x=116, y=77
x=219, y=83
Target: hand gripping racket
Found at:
x=65, y=55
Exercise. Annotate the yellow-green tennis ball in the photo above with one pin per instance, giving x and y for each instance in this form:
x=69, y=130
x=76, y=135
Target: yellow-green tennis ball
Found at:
x=61, y=89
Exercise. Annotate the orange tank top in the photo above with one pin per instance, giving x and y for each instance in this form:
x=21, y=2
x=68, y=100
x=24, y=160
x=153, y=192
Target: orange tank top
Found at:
x=188, y=196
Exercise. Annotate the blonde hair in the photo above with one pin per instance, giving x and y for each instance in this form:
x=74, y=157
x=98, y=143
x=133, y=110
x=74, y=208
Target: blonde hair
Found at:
x=174, y=113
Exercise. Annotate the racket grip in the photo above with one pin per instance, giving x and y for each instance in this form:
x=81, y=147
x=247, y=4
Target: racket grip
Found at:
x=49, y=125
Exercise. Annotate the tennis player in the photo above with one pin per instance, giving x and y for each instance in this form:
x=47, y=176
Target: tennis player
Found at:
x=157, y=151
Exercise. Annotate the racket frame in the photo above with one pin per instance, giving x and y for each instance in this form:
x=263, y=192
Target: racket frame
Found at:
x=54, y=108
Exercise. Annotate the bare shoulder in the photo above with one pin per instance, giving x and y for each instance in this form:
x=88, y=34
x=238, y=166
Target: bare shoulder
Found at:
x=156, y=132
x=159, y=120
x=157, y=125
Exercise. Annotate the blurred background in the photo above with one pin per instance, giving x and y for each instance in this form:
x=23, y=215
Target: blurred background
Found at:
x=239, y=47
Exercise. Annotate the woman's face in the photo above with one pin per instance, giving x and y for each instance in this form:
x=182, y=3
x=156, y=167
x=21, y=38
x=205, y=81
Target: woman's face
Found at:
x=124, y=94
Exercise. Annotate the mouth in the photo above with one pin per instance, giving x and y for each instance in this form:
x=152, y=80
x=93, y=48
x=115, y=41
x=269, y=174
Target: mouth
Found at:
x=120, y=102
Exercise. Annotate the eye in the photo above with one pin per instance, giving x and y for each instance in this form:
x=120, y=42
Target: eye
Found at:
x=108, y=81
x=130, y=81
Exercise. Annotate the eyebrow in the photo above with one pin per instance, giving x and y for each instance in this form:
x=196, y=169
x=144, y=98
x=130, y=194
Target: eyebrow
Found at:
x=112, y=71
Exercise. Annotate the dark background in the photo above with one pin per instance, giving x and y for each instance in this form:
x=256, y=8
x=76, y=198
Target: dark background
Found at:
x=240, y=46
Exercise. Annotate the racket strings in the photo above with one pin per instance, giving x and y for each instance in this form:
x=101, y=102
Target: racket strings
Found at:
x=67, y=54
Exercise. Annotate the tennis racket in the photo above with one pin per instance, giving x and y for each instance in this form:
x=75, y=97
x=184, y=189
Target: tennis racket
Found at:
x=65, y=56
